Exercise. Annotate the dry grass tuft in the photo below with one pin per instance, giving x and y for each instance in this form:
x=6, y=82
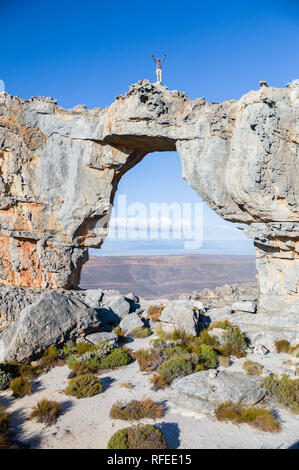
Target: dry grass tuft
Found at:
x=148, y=359
x=154, y=312
x=259, y=418
x=253, y=368
x=282, y=346
x=127, y=385
x=137, y=409
x=20, y=387
x=46, y=412
x=158, y=382
x=223, y=361
x=141, y=332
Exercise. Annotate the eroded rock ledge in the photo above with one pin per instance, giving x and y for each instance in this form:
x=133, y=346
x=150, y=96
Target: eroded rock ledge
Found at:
x=59, y=171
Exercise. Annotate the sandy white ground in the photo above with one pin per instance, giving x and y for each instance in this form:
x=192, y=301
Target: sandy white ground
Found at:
x=85, y=423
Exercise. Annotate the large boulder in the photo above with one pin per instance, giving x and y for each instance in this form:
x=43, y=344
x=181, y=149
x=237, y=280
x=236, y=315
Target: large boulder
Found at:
x=116, y=304
x=130, y=322
x=203, y=391
x=53, y=319
x=181, y=314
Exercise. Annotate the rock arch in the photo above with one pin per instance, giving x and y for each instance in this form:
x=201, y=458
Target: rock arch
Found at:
x=59, y=171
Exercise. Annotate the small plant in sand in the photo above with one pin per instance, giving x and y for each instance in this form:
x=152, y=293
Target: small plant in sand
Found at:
x=259, y=418
x=208, y=356
x=28, y=371
x=117, y=358
x=284, y=390
x=148, y=359
x=223, y=361
x=282, y=346
x=84, y=347
x=137, y=409
x=142, y=436
x=252, y=368
x=294, y=350
x=20, y=387
x=5, y=379
x=141, y=332
x=120, y=333
x=50, y=358
x=84, y=367
x=127, y=385
x=235, y=342
x=154, y=312
x=84, y=386
x=158, y=382
x=173, y=368
x=46, y=412
x=4, y=420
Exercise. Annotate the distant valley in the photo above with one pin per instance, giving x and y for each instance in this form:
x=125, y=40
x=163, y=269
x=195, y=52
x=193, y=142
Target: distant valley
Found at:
x=166, y=275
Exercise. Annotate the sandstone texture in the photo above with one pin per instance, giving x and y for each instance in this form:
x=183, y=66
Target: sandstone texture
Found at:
x=203, y=391
x=60, y=169
x=52, y=320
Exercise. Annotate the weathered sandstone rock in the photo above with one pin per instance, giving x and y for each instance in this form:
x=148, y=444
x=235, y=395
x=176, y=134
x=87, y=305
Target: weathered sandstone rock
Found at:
x=203, y=391
x=60, y=170
x=181, y=314
x=131, y=321
x=53, y=319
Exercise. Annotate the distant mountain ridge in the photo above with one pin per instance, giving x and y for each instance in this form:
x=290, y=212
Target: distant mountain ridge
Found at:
x=166, y=276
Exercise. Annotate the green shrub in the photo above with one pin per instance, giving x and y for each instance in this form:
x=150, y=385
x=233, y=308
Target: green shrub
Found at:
x=208, y=356
x=205, y=338
x=119, y=440
x=20, y=387
x=4, y=420
x=260, y=418
x=141, y=332
x=85, y=367
x=46, y=412
x=253, y=368
x=142, y=436
x=28, y=371
x=235, y=342
x=83, y=347
x=173, y=368
x=282, y=346
x=137, y=409
x=117, y=358
x=5, y=379
x=284, y=390
x=84, y=386
x=50, y=358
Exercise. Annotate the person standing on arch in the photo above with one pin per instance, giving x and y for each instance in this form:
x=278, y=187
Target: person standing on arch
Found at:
x=159, y=63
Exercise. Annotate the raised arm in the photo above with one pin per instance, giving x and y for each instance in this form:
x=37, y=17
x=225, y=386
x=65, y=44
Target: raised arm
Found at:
x=163, y=58
x=154, y=58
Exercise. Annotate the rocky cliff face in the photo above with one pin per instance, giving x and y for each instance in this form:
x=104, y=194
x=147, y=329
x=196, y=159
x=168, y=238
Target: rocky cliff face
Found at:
x=59, y=171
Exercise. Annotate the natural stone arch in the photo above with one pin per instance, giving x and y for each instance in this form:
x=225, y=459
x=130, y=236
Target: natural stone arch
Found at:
x=60, y=169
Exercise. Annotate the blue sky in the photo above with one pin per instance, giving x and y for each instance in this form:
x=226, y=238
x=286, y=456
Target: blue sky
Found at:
x=89, y=52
